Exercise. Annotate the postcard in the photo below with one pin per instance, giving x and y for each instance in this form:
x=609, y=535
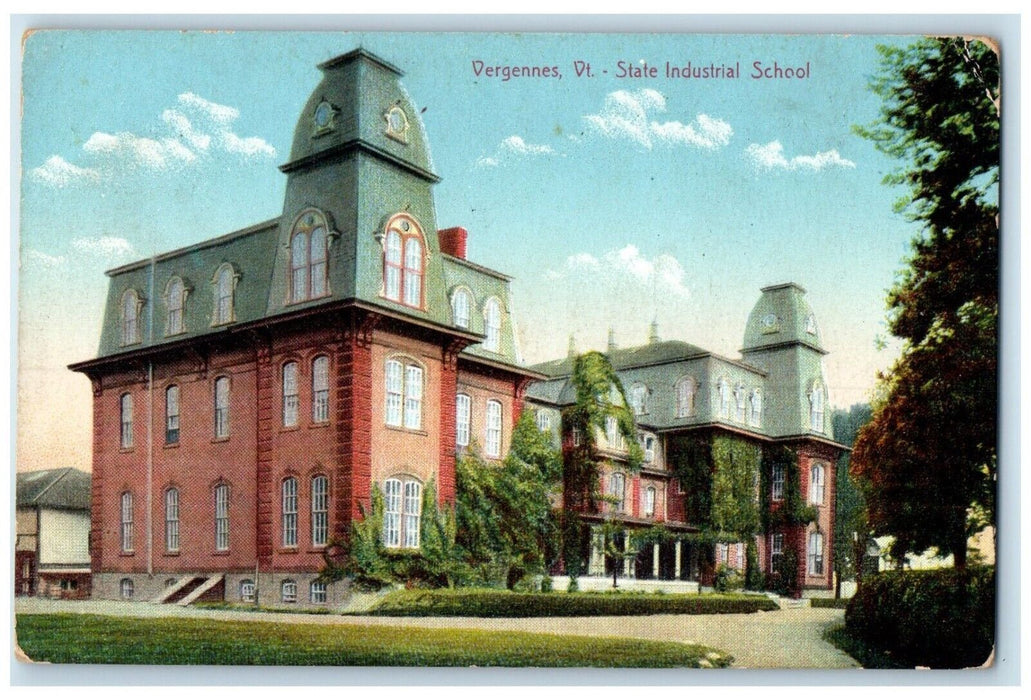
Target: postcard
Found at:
x=508, y=349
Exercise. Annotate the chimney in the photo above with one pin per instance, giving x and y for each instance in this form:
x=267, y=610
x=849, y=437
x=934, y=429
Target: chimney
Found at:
x=612, y=339
x=572, y=346
x=452, y=241
x=653, y=332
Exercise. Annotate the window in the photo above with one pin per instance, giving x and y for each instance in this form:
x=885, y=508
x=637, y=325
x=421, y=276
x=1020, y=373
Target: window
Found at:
x=130, y=317
x=175, y=301
x=810, y=324
x=319, y=511
x=320, y=389
x=776, y=552
x=290, y=400
x=172, y=415
x=723, y=553
x=617, y=489
x=172, y=520
x=492, y=325
x=723, y=389
x=126, y=413
x=648, y=507
x=460, y=304
x=755, y=408
x=317, y=592
x=222, y=517
x=493, y=445
x=403, y=262
x=225, y=283
x=308, y=255
x=739, y=403
x=686, y=390
x=777, y=483
x=816, y=408
x=816, y=485
x=577, y=437
x=288, y=591
x=401, y=518
x=463, y=418
x=543, y=419
x=289, y=502
x=613, y=435
x=125, y=587
x=247, y=590
x=404, y=394
x=127, y=516
x=222, y=407
x=815, y=556
x=741, y=556
x=639, y=399
x=647, y=446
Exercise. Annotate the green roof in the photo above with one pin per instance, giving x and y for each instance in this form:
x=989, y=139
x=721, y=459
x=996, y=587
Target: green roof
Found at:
x=55, y=488
x=623, y=358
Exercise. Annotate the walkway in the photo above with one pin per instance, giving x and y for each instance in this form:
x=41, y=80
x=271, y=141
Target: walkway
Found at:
x=790, y=638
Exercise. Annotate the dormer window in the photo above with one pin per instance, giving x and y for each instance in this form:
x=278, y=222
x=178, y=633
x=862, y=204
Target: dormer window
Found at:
x=639, y=399
x=492, y=325
x=225, y=287
x=810, y=324
x=404, y=261
x=175, y=300
x=723, y=388
x=460, y=303
x=131, y=317
x=755, y=408
x=816, y=399
x=309, y=247
x=686, y=390
x=397, y=124
x=739, y=403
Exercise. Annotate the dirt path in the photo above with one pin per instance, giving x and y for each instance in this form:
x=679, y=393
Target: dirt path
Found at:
x=779, y=639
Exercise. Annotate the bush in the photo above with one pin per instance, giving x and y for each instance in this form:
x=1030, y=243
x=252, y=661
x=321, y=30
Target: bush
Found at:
x=546, y=584
x=727, y=579
x=943, y=618
x=496, y=603
x=838, y=603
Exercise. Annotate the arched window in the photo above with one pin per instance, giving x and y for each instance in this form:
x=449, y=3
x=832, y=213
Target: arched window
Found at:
x=648, y=506
x=402, y=512
x=125, y=588
x=320, y=389
x=816, y=485
x=172, y=520
x=290, y=400
x=617, y=490
x=647, y=443
x=319, y=510
x=460, y=304
x=175, y=301
x=127, y=522
x=130, y=317
x=222, y=407
x=172, y=415
x=317, y=592
x=288, y=591
x=639, y=399
x=816, y=407
x=492, y=325
x=308, y=256
x=739, y=403
x=686, y=390
x=723, y=389
x=289, y=504
x=404, y=261
x=463, y=419
x=755, y=408
x=403, y=394
x=815, y=555
x=222, y=517
x=225, y=286
x=125, y=410
x=492, y=447
x=613, y=435
x=247, y=590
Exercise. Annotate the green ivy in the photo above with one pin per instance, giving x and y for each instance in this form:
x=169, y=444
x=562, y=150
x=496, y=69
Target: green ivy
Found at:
x=793, y=510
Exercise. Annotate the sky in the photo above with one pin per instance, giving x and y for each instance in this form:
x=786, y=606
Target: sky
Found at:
x=612, y=201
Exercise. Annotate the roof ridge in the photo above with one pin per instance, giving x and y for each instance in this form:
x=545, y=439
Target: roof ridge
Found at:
x=64, y=472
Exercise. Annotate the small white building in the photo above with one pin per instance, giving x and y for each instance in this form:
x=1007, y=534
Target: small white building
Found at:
x=52, y=554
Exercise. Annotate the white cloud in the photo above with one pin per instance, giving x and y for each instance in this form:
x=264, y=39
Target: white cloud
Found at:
x=771, y=157
x=57, y=172
x=36, y=256
x=194, y=129
x=629, y=115
x=662, y=274
x=511, y=148
x=105, y=246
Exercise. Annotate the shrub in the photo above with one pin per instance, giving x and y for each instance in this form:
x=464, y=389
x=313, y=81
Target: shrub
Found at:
x=496, y=603
x=546, y=584
x=838, y=603
x=942, y=618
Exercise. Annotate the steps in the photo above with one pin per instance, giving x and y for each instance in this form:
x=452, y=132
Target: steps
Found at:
x=188, y=589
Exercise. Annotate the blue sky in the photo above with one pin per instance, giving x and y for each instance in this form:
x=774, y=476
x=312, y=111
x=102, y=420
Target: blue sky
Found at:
x=612, y=202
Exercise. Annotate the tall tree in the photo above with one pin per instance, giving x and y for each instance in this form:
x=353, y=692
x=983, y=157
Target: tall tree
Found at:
x=850, y=528
x=927, y=460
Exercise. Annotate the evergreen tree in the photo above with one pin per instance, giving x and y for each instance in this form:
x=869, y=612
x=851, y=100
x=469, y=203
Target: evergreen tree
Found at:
x=850, y=528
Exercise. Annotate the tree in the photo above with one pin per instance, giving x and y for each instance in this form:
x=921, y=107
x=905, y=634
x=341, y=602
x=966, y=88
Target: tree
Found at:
x=926, y=462
x=850, y=528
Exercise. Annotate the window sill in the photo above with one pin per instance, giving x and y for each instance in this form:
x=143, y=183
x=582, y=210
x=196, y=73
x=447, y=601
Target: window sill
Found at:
x=320, y=424
x=287, y=550
x=171, y=446
x=219, y=439
x=129, y=553
x=316, y=550
x=171, y=554
x=220, y=553
x=289, y=428
x=411, y=431
x=125, y=450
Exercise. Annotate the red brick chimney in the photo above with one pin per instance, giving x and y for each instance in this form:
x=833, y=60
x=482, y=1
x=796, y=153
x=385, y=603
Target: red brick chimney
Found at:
x=452, y=241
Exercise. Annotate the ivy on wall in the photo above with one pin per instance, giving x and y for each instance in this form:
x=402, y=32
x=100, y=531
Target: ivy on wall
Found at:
x=793, y=509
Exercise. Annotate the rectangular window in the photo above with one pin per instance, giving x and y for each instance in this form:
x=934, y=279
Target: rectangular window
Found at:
x=126, y=419
x=290, y=512
x=247, y=591
x=413, y=397
x=617, y=489
x=172, y=415
x=317, y=592
x=463, y=418
x=127, y=517
x=392, y=513
x=413, y=508
x=290, y=399
x=493, y=445
x=543, y=421
x=394, y=392
x=816, y=485
x=172, y=520
x=222, y=407
x=221, y=518
x=777, y=483
x=776, y=552
x=649, y=502
x=816, y=554
x=319, y=511
x=288, y=591
x=320, y=390
x=647, y=446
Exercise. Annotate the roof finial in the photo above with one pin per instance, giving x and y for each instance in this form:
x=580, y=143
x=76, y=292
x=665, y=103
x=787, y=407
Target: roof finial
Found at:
x=572, y=345
x=653, y=332
x=612, y=339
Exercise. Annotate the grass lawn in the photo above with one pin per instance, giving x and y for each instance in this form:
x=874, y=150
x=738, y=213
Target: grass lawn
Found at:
x=68, y=638
x=867, y=656
x=499, y=603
